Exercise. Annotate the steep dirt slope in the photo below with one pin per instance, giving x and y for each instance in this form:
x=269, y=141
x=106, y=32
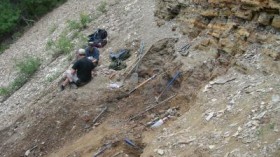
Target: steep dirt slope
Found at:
x=224, y=102
x=235, y=114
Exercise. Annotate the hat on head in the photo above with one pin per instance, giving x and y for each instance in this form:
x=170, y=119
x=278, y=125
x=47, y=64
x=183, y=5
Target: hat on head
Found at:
x=81, y=52
x=91, y=43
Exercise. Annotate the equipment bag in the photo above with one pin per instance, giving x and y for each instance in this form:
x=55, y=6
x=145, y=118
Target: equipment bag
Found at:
x=122, y=55
x=98, y=38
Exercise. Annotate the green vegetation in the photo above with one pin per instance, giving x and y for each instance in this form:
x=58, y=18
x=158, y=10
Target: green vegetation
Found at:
x=84, y=20
x=3, y=47
x=37, y=8
x=26, y=68
x=63, y=45
x=52, y=29
x=82, y=24
x=9, y=16
x=73, y=25
x=102, y=7
x=50, y=44
x=271, y=126
x=16, y=14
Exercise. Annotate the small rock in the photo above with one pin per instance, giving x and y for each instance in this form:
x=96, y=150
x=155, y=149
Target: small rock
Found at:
x=160, y=151
x=27, y=153
x=210, y=115
x=211, y=146
x=275, y=98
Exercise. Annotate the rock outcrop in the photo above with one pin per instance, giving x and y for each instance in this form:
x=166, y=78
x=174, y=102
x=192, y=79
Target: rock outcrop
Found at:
x=230, y=25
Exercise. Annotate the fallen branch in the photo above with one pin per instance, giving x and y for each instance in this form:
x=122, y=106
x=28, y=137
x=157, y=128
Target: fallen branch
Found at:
x=152, y=107
x=140, y=85
x=96, y=118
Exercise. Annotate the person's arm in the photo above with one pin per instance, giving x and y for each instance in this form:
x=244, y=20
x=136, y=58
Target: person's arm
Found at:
x=96, y=56
x=73, y=71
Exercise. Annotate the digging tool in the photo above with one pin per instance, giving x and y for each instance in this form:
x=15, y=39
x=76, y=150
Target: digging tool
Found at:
x=102, y=150
x=148, y=109
x=130, y=143
x=140, y=85
x=168, y=86
x=97, y=117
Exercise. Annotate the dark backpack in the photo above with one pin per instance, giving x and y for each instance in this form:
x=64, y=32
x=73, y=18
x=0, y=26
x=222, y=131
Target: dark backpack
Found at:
x=99, y=38
x=122, y=55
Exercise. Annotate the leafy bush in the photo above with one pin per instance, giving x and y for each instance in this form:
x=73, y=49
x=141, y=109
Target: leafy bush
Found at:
x=37, y=8
x=9, y=16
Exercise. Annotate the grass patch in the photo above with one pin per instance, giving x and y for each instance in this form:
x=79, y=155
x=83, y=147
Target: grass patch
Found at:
x=52, y=28
x=63, y=45
x=50, y=44
x=102, y=7
x=26, y=68
x=85, y=19
x=73, y=25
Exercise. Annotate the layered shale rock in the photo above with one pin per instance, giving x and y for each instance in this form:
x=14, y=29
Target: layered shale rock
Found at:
x=232, y=25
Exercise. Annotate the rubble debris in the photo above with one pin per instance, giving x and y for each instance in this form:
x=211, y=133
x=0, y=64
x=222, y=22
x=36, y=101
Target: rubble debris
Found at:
x=152, y=107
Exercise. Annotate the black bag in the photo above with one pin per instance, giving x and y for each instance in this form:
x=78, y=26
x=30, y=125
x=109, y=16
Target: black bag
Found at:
x=122, y=55
x=99, y=38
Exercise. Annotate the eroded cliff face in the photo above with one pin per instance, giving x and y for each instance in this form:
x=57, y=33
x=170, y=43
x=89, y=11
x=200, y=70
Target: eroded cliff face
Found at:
x=234, y=113
x=229, y=25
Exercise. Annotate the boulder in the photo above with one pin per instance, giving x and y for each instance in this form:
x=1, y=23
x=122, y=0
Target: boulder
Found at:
x=276, y=21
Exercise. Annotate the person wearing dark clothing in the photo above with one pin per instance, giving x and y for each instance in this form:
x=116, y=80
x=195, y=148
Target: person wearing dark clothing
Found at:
x=80, y=73
x=92, y=53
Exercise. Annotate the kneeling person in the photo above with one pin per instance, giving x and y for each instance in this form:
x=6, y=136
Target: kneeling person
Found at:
x=80, y=73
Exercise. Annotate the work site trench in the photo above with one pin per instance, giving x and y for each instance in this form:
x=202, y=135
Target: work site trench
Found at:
x=116, y=123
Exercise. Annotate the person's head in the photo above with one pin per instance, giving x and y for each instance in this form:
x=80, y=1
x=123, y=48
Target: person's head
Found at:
x=91, y=45
x=81, y=52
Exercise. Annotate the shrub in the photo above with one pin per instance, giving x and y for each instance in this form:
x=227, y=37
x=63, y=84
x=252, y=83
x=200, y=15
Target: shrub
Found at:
x=63, y=45
x=9, y=17
x=84, y=20
x=28, y=66
x=37, y=8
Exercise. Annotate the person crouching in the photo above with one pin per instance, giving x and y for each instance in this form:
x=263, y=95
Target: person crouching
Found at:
x=80, y=73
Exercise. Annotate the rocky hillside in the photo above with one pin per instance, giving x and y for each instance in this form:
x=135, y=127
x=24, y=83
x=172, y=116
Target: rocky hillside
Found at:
x=224, y=101
x=234, y=114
